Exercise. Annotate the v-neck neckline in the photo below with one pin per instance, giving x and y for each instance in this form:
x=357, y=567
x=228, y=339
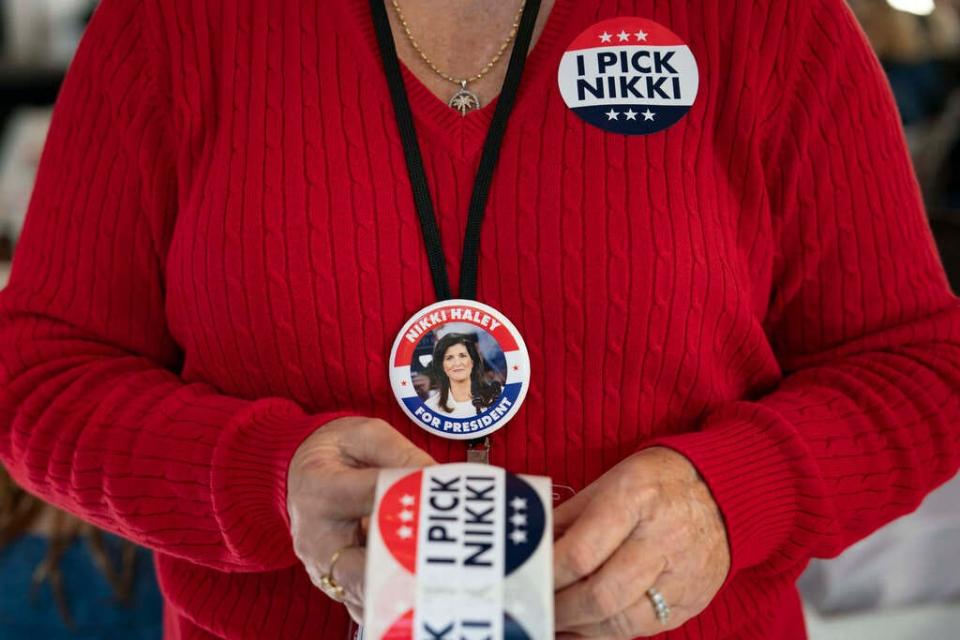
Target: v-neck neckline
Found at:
x=464, y=135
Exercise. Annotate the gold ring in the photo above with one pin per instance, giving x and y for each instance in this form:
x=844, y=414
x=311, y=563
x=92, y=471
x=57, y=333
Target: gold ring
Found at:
x=328, y=584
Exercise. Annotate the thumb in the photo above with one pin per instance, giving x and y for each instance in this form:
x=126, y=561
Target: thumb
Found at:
x=374, y=443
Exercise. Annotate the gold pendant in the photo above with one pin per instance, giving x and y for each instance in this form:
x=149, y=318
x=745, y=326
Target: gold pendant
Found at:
x=464, y=100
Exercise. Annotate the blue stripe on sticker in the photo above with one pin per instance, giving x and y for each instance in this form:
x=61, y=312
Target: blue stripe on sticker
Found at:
x=483, y=422
x=632, y=119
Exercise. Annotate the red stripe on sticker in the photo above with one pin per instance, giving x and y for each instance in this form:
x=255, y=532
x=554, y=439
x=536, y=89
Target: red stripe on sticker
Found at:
x=460, y=313
x=398, y=518
x=625, y=31
x=402, y=629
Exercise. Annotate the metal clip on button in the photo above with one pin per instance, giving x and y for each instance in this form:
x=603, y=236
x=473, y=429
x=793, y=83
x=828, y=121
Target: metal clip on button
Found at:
x=479, y=450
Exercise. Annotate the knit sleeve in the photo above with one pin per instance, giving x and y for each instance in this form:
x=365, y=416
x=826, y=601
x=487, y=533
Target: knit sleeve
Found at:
x=866, y=419
x=93, y=415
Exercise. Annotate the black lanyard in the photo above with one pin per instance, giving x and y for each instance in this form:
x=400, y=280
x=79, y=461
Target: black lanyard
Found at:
x=488, y=158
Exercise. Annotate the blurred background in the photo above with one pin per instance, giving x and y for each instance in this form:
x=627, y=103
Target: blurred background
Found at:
x=63, y=579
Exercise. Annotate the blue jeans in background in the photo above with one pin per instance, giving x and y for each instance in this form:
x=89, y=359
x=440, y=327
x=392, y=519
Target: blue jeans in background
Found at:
x=97, y=615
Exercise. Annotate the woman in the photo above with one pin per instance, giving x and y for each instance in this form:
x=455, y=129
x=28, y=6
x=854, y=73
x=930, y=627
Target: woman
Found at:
x=742, y=344
x=458, y=373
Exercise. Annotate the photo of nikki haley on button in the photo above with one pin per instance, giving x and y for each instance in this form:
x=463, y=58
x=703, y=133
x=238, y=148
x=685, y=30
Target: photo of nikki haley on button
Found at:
x=461, y=372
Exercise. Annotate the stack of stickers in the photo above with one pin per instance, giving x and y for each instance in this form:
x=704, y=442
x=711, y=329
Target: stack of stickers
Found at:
x=460, y=551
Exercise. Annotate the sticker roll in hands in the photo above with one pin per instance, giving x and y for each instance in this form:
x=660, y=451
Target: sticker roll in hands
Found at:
x=460, y=551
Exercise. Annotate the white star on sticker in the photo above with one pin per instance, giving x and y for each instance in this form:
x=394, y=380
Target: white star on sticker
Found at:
x=404, y=532
x=518, y=537
x=406, y=516
x=631, y=114
x=641, y=36
x=605, y=37
x=623, y=36
x=407, y=500
x=518, y=503
x=518, y=520
x=612, y=115
x=648, y=115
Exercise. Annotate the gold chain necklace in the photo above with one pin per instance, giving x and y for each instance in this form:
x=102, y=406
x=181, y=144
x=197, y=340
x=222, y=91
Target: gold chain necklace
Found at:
x=463, y=100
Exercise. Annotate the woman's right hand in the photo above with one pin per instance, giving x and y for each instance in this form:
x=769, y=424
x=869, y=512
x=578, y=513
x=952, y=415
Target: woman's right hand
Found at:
x=331, y=483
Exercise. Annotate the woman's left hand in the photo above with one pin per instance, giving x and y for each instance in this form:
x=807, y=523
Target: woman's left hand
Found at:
x=648, y=522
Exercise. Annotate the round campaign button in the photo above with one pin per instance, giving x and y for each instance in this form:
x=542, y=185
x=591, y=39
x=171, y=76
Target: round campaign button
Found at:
x=459, y=369
x=629, y=75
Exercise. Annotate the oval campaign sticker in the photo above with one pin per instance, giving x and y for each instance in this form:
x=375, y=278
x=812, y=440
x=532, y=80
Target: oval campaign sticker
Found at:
x=629, y=75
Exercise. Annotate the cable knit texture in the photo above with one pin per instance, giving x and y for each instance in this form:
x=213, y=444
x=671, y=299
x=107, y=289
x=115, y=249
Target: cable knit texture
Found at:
x=222, y=244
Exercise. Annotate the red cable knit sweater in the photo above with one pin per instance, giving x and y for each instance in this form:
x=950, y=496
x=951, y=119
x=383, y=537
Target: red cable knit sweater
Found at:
x=222, y=244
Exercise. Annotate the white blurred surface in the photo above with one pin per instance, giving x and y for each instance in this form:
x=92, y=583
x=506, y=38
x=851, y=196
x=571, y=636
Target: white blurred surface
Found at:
x=42, y=32
x=914, y=560
x=930, y=622
x=21, y=146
